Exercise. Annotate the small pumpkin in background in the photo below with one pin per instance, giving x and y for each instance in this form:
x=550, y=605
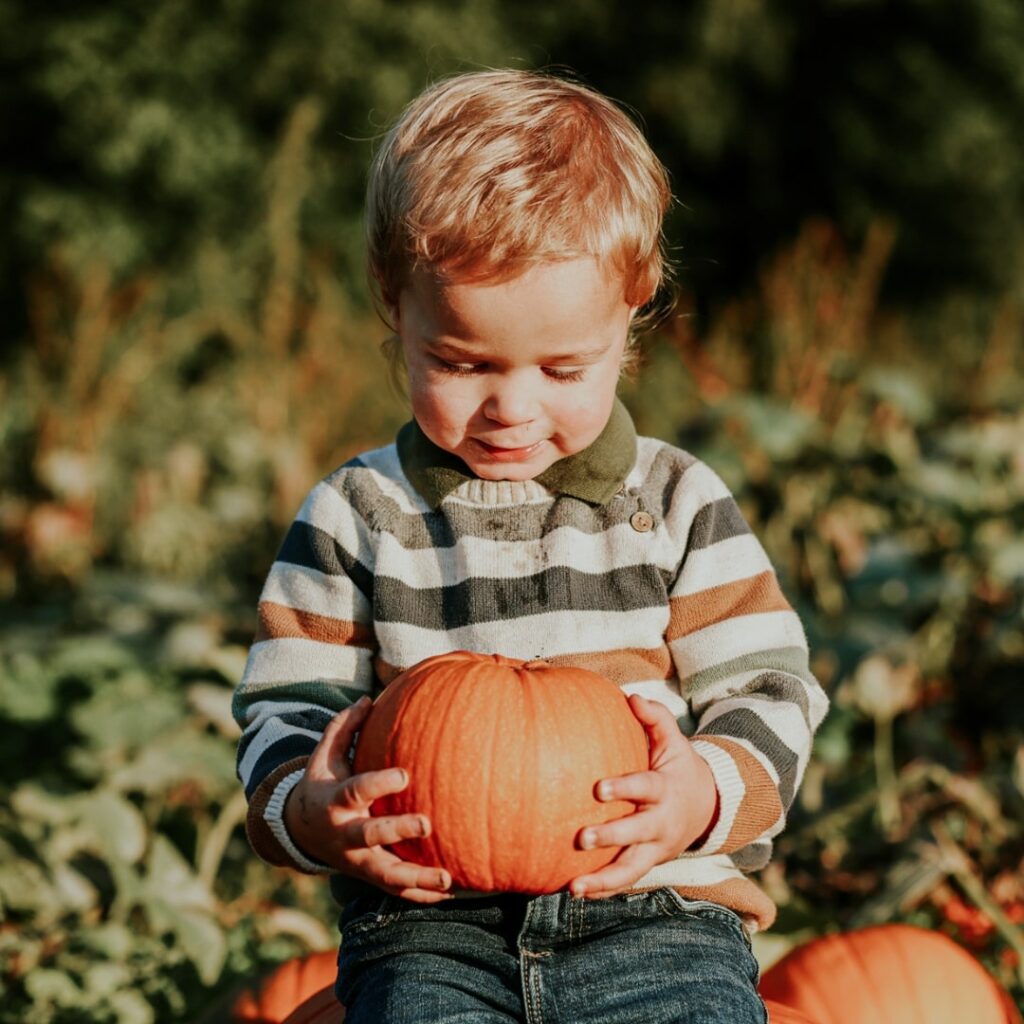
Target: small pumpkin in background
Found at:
x=282, y=993
x=503, y=757
x=320, y=1008
x=888, y=974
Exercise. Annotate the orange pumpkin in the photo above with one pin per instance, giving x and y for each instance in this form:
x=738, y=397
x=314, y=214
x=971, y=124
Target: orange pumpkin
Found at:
x=779, y=1013
x=271, y=1000
x=321, y=1008
x=887, y=974
x=503, y=757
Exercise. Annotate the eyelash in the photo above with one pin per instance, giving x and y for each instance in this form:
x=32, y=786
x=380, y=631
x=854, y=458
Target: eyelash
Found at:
x=470, y=370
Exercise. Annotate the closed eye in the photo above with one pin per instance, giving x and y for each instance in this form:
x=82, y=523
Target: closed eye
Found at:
x=565, y=375
x=461, y=369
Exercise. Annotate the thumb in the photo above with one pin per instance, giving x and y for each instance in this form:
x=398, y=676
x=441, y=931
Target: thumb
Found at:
x=331, y=754
x=658, y=722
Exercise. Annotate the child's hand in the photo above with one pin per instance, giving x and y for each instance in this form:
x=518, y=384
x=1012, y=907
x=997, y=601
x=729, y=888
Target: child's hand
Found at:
x=328, y=815
x=676, y=802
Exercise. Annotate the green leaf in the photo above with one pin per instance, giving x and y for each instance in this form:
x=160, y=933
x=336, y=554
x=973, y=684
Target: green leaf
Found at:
x=131, y=1008
x=170, y=877
x=51, y=987
x=118, y=829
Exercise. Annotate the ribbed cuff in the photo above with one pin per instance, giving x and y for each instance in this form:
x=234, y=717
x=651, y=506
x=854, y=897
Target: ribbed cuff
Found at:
x=273, y=815
x=731, y=790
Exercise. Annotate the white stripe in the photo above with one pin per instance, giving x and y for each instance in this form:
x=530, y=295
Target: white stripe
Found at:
x=529, y=636
x=701, y=486
x=291, y=660
x=664, y=691
x=328, y=511
x=271, y=732
x=647, y=450
x=690, y=871
x=737, y=558
x=735, y=637
x=479, y=557
x=309, y=590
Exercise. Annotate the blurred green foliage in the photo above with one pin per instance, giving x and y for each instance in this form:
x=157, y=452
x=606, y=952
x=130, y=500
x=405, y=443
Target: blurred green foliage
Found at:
x=195, y=349
x=138, y=132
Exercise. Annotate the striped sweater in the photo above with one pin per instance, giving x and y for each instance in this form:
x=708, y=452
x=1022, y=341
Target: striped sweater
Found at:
x=630, y=559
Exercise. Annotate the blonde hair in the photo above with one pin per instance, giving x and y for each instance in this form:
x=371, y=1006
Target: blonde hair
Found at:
x=489, y=172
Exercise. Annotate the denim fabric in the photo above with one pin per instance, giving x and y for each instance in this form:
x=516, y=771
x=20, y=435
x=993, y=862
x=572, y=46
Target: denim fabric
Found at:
x=643, y=958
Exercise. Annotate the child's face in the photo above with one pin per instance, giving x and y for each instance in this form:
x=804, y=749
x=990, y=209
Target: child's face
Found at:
x=513, y=376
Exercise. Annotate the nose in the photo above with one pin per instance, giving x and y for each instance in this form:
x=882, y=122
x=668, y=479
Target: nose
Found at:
x=510, y=402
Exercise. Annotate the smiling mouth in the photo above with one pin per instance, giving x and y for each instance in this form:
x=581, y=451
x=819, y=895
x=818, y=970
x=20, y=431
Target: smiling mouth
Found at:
x=507, y=454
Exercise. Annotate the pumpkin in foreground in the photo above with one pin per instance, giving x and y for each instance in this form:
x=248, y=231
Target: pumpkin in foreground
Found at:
x=888, y=974
x=503, y=757
x=779, y=1013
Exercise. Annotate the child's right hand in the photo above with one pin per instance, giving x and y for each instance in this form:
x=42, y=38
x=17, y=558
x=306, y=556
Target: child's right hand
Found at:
x=327, y=815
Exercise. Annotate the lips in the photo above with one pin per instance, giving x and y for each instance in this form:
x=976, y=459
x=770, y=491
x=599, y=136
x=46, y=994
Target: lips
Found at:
x=498, y=453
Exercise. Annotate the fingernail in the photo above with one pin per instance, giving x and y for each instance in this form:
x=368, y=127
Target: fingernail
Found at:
x=363, y=702
x=589, y=839
x=422, y=825
x=604, y=791
x=443, y=880
x=402, y=777
x=578, y=889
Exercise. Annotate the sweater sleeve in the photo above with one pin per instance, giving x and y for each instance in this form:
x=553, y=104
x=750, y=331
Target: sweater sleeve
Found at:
x=311, y=658
x=741, y=656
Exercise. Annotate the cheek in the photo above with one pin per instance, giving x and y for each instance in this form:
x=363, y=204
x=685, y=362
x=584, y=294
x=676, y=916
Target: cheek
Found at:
x=443, y=406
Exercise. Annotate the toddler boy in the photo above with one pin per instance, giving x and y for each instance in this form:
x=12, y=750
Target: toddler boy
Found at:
x=514, y=229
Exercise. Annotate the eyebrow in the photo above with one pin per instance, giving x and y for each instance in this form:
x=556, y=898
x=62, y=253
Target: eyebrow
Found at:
x=456, y=353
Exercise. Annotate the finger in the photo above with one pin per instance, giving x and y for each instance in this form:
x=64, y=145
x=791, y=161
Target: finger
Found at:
x=632, y=864
x=628, y=831
x=388, y=871
x=639, y=787
x=423, y=895
x=340, y=734
x=385, y=831
x=359, y=791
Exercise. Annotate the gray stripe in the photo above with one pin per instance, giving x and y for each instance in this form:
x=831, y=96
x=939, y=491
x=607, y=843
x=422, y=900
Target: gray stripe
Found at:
x=747, y=724
x=323, y=694
x=790, y=660
x=358, y=485
x=314, y=719
x=778, y=686
x=716, y=521
x=753, y=856
x=310, y=547
x=555, y=589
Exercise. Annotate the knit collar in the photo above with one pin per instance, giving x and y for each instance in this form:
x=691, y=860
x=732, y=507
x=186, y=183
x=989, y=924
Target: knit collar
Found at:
x=594, y=474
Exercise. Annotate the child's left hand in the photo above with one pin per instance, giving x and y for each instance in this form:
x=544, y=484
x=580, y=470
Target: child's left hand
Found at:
x=676, y=801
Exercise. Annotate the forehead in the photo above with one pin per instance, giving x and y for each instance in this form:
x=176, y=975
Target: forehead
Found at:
x=560, y=299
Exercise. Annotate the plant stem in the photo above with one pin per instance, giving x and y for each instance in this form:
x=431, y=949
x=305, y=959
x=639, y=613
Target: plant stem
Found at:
x=212, y=853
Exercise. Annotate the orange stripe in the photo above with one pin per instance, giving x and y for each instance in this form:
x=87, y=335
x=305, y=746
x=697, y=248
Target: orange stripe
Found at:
x=626, y=665
x=751, y=596
x=278, y=620
x=761, y=805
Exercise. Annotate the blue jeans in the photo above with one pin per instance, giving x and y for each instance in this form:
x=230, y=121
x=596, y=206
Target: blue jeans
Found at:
x=644, y=958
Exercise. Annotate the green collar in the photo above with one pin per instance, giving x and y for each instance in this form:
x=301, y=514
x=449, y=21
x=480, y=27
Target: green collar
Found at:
x=594, y=474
